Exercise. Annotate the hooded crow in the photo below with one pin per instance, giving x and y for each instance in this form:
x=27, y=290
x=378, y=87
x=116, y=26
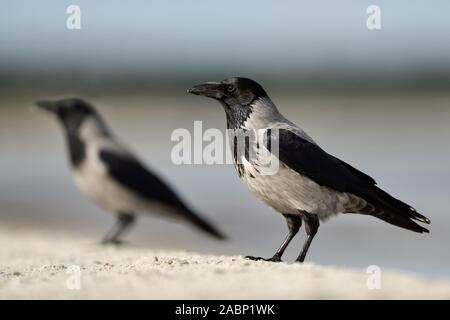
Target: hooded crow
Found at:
x=310, y=185
x=107, y=173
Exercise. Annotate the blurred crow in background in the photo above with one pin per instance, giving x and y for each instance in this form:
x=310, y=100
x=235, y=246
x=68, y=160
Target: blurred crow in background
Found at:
x=107, y=173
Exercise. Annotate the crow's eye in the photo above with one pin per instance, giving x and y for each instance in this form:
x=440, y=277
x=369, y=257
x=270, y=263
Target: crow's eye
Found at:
x=231, y=88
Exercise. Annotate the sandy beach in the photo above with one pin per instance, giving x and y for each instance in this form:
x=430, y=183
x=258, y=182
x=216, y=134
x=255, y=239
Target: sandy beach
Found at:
x=40, y=265
x=47, y=228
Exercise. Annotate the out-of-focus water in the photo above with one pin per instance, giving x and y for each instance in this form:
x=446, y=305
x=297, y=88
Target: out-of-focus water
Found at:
x=402, y=141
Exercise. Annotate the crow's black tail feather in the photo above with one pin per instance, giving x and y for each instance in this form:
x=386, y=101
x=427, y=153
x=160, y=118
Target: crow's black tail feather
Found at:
x=401, y=222
x=402, y=208
x=397, y=212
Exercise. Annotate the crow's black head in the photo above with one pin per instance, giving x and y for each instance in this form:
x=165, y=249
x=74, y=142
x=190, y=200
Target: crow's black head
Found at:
x=232, y=91
x=71, y=112
x=237, y=95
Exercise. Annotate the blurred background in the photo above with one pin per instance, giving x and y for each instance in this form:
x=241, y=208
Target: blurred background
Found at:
x=379, y=100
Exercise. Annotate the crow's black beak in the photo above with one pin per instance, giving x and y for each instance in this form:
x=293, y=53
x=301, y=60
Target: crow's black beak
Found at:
x=213, y=90
x=47, y=105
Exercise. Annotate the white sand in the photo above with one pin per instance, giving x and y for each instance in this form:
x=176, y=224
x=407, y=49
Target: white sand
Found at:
x=35, y=265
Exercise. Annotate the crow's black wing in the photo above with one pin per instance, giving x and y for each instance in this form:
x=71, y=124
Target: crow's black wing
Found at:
x=310, y=160
x=326, y=170
x=130, y=173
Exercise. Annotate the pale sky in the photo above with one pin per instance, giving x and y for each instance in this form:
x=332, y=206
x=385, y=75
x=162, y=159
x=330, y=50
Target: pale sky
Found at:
x=269, y=37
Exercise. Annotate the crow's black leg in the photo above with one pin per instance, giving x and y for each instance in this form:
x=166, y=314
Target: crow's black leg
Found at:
x=311, y=227
x=294, y=223
x=124, y=221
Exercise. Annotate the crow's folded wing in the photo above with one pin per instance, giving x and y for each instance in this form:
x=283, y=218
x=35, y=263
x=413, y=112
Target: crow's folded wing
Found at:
x=130, y=173
x=310, y=160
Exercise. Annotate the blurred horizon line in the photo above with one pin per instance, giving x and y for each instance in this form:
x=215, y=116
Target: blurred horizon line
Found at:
x=147, y=82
